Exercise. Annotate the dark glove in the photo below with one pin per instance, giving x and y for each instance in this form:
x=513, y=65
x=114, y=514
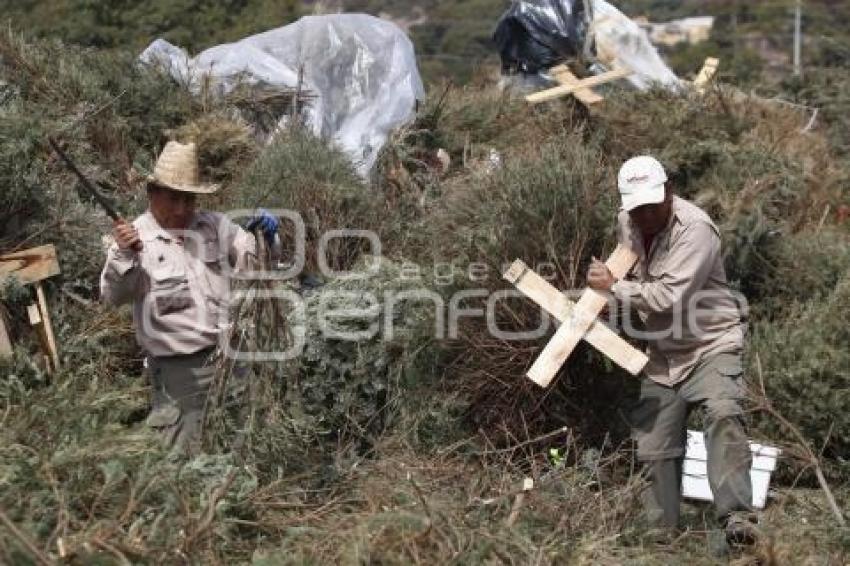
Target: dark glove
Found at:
x=265, y=221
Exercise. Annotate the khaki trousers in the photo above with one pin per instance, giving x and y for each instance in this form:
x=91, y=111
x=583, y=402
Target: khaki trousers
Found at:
x=180, y=385
x=659, y=422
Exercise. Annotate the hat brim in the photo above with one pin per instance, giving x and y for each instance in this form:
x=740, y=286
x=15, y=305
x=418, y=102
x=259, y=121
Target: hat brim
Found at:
x=197, y=189
x=640, y=197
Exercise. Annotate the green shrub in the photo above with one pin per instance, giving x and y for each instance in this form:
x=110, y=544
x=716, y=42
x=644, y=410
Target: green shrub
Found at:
x=556, y=207
x=193, y=24
x=360, y=387
x=301, y=173
x=361, y=359
x=687, y=134
x=805, y=362
x=108, y=112
x=777, y=270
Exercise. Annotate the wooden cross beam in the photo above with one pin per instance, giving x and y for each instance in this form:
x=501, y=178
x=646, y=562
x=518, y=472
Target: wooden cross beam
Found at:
x=563, y=75
x=32, y=267
x=579, y=320
x=580, y=85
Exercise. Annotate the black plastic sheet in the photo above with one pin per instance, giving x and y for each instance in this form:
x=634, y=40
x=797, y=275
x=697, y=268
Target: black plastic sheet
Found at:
x=537, y=34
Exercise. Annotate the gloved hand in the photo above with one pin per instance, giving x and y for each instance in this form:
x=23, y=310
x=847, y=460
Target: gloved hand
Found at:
x=265, y=221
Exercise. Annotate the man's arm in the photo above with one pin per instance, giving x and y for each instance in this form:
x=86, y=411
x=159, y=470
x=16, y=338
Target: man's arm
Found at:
x=688, y=267
x=121, y=276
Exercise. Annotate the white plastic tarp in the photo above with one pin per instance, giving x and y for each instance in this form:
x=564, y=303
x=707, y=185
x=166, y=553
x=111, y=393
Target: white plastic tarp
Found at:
x=361, y=69
x=618, y=38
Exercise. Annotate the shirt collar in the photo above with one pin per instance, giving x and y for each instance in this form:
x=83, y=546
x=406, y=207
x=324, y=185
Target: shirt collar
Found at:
x=161, y=233
x=675, y=213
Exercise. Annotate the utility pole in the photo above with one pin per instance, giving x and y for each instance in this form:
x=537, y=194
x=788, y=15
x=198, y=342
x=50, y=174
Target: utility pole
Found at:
x=798, y=39
x=735, y=40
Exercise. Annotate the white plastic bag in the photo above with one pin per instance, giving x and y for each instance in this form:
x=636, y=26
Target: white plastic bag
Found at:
x=618, y=38
x=361, y=69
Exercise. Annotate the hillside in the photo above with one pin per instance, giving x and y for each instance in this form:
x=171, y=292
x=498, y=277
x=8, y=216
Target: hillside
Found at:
x=411, y=444
x=453, y=38
x=194, y=24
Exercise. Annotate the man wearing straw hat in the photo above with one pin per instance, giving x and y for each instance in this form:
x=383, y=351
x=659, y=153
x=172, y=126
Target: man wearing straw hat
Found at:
x=173, y=263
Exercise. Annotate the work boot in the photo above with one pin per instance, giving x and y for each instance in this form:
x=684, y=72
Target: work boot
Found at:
x=741, y=529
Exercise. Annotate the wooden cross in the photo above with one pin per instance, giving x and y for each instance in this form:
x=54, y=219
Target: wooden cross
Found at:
x=563, y=75
x=574, y=86
x=32, y=267
x=578, y=320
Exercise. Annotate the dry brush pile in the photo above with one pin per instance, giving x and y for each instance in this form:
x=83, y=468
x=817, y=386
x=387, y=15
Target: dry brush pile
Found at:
x=411, y=449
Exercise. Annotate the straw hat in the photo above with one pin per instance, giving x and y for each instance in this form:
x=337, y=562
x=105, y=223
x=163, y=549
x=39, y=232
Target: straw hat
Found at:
x=177, y=169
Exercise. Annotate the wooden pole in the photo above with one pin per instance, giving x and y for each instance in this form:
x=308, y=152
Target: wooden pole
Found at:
x=798, y=38
x=48, y=327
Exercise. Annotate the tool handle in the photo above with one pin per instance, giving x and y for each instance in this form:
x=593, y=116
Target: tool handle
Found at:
x=101, y=200
x=137, y=246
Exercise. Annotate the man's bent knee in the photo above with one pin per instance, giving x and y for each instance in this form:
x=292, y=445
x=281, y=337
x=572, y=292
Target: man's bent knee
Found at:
x=718, y=409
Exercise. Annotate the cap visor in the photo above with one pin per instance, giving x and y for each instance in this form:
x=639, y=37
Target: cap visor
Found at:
x=641, y=197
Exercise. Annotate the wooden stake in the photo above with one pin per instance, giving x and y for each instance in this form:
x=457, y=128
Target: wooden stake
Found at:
x=48, y=328
x=31, y=266
x=38, y=324
x=527, y=485
x=709, y=69
x=5, y=344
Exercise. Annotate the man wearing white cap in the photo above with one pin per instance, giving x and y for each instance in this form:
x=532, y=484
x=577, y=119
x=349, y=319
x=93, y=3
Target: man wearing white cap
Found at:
x=695, y=331
x=174, y=263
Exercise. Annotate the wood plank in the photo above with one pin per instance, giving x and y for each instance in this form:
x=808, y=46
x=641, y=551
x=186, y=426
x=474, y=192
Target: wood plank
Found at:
x=11, y=265
x=564, y=76
x=539, y=290
x=709, y=69
x=52, y=352
x=554, y=302
x=33, y=314
x=5, y=342
x=38, y=264
x=558, y=305
x=563, y=90
x=583, y=316
x=38, y=325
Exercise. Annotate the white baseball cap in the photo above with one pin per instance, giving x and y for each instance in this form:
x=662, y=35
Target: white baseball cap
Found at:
x=641, y=181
